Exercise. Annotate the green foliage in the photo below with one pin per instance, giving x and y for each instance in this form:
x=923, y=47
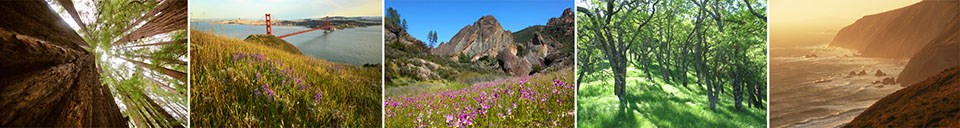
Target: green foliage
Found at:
x=392, y=16
x=717, y=47
x=166, y=104
x=525, y=34
x=404, y=24
x=432, y=39
x=464, y=59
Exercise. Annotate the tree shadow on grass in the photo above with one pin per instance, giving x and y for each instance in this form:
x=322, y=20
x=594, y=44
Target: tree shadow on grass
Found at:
x=673, y=111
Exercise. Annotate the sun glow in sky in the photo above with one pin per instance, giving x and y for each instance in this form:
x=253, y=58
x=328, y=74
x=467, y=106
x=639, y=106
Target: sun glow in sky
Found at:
x=283, y=9
x=799, y=19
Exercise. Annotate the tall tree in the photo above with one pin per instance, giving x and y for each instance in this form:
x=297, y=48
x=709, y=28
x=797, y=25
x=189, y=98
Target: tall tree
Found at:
x=609, y=31
x=49, y=79
x=392, y=16
x=432, y=38
x=172, y=16
x=720, y=44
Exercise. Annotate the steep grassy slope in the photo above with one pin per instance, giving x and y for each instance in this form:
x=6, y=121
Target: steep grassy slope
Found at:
x=934, y=102
x=240, y=84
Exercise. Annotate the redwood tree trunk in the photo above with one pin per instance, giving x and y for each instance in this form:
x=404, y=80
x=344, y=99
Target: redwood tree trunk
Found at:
x=46, y=77
x=173, y=16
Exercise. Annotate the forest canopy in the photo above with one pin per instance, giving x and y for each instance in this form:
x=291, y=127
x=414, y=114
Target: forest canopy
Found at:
x=714, y=47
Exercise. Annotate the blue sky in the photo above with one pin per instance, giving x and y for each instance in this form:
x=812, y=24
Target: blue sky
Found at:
x=447, y=17
x=282, y=9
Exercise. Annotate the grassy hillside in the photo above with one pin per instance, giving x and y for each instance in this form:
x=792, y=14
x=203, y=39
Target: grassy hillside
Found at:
x=397, y=55
x=240, y=84
x=273, y=42
x=524, y=35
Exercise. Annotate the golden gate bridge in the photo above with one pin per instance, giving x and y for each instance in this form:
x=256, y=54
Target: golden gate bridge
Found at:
x=326, y=27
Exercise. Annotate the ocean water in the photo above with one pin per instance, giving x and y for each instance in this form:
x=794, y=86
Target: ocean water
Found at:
x=354, y=46
x=818, y=92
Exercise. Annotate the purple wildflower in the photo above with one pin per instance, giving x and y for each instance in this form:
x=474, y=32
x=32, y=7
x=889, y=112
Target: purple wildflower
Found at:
x=449, y=117
x=317, y=97
x=418, y=118
x=267, y=91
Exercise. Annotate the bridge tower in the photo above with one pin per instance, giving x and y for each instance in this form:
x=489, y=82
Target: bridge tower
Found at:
x=269, y=29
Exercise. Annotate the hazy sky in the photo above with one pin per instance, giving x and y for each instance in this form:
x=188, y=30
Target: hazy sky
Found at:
x=827, y=14
x=812, y=22
x=283, y=9
x=447, y=17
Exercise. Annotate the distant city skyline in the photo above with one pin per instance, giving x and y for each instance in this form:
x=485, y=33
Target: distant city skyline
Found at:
x=447, y=17
x=283, y=9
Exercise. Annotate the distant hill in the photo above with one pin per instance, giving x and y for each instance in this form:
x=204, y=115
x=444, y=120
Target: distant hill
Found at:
x=274, y=42
x=898, y=33
x=940, y=53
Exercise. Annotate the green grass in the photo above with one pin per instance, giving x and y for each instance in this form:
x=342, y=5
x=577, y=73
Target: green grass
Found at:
x=230, y=79
x=657, y=103
x=397, y=55
x=432, y=103
x=273, y=42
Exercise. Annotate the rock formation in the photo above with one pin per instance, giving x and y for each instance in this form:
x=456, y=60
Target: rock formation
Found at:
x=940, y=53
x=48, y=79
x=879, y=73
x=898, y=33
x=395, y=34
x=543, y=47
x=421, y=69
x=484, y=38
x=511, y=64
x=934, y=102
x=551, y=45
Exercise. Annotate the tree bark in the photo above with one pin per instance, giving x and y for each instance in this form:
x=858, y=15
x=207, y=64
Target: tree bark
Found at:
x=172, y=16
x=169, y=72
x=68, y=5
x=159, y=43
x=47, y=78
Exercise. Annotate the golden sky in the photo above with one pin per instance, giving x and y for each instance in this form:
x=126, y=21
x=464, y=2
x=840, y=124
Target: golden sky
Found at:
x=792, y=17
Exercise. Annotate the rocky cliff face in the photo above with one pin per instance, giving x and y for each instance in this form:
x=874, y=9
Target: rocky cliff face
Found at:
x=47, y=78
x=395, y=34
x=551, y=45
x=898, y=33
x=934, y=102
x=484, y=38
x=940, y=53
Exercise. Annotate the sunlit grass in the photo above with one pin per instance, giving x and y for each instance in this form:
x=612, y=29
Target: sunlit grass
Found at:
x=239, y=84
x=544, y=100
x=660, y=104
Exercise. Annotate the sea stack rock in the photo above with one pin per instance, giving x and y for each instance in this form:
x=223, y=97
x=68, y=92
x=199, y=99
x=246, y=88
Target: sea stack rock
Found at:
x=880, y=73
